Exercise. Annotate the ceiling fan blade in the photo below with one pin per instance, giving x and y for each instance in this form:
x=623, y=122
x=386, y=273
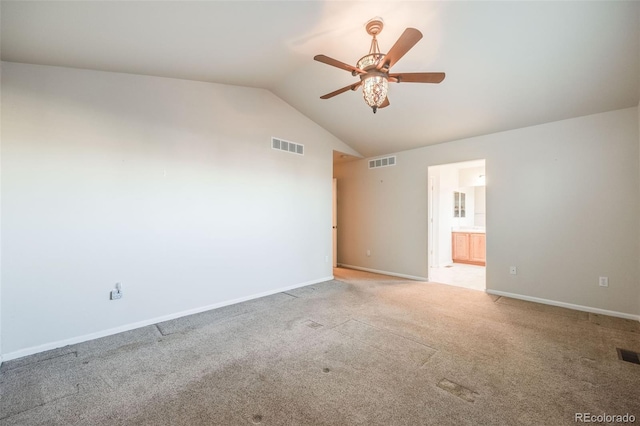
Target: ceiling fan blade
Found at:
x=418, y=77
x=407, y=40
x=353, y=86
x=385, y=103
x=335, y=63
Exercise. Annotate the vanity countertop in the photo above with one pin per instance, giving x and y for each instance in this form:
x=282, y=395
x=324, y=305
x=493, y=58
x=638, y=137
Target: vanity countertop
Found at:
x=470, y=229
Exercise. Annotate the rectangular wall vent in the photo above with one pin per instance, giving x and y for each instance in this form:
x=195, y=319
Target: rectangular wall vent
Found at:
x=282, y=145
x=382, y=162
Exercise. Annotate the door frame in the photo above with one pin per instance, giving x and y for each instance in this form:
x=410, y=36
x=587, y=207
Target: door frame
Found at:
x=335, y=223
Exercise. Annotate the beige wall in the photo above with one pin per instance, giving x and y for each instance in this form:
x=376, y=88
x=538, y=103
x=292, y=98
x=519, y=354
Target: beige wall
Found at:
x=562, y=204
x=167, y=186
x=1, y=358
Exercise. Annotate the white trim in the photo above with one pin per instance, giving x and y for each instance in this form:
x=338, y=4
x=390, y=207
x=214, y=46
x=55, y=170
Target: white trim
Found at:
x=377, y=271
x=565, y=305
x=127, y=327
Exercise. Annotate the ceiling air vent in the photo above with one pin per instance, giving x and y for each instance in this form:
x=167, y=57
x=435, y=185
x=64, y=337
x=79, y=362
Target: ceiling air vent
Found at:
x=382, y=162
x=282, y=145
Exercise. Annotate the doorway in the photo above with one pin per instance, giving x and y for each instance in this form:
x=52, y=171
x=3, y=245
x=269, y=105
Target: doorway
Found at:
x=457, y=224
x=335, y=223
x=338, y=158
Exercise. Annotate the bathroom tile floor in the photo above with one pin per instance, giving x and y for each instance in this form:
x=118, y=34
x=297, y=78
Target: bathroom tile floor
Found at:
x=461, y=275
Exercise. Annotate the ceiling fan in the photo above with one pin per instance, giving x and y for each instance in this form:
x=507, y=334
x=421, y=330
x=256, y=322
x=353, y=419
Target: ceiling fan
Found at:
x=373, y=69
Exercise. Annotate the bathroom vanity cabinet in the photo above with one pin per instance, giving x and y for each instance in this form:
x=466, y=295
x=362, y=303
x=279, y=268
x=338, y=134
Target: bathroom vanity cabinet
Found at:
x=469, y=247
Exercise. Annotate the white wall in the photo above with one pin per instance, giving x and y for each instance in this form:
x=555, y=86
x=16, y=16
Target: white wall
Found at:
x=471, y=176
x=167, y=186
x=479, y=218
x=563, y=203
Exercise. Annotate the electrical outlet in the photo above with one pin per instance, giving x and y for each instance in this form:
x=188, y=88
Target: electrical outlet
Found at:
x=513, y=270
x=368, y=252
x=603, y=281
x=117, y=293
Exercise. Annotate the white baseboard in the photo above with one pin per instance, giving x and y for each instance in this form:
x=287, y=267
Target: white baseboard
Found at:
x=565, y=305
x=377, y=271
x=127, y=327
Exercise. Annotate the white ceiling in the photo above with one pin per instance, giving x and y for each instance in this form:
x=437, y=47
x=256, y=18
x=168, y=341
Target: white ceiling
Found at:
x=508, y=64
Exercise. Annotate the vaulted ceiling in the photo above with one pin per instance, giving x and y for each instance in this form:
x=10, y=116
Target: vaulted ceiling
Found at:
x=507, y=64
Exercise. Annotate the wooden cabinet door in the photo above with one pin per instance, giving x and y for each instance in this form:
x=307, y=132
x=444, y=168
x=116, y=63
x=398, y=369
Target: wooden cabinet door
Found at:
x=460, y=246
x=477, y=248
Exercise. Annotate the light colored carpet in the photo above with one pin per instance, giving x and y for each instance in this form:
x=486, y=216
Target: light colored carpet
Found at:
x=362, y=349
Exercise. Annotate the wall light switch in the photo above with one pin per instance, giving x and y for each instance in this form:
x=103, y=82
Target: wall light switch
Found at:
x=368, y=252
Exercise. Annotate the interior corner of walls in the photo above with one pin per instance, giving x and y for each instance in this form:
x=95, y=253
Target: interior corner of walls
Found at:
x=334, y=142
x=1, y=65
x=639, y=195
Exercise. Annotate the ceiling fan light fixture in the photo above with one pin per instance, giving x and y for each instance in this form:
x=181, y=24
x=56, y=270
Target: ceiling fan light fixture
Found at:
x=370, y=61
x=373, y=69
x=374, y=90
